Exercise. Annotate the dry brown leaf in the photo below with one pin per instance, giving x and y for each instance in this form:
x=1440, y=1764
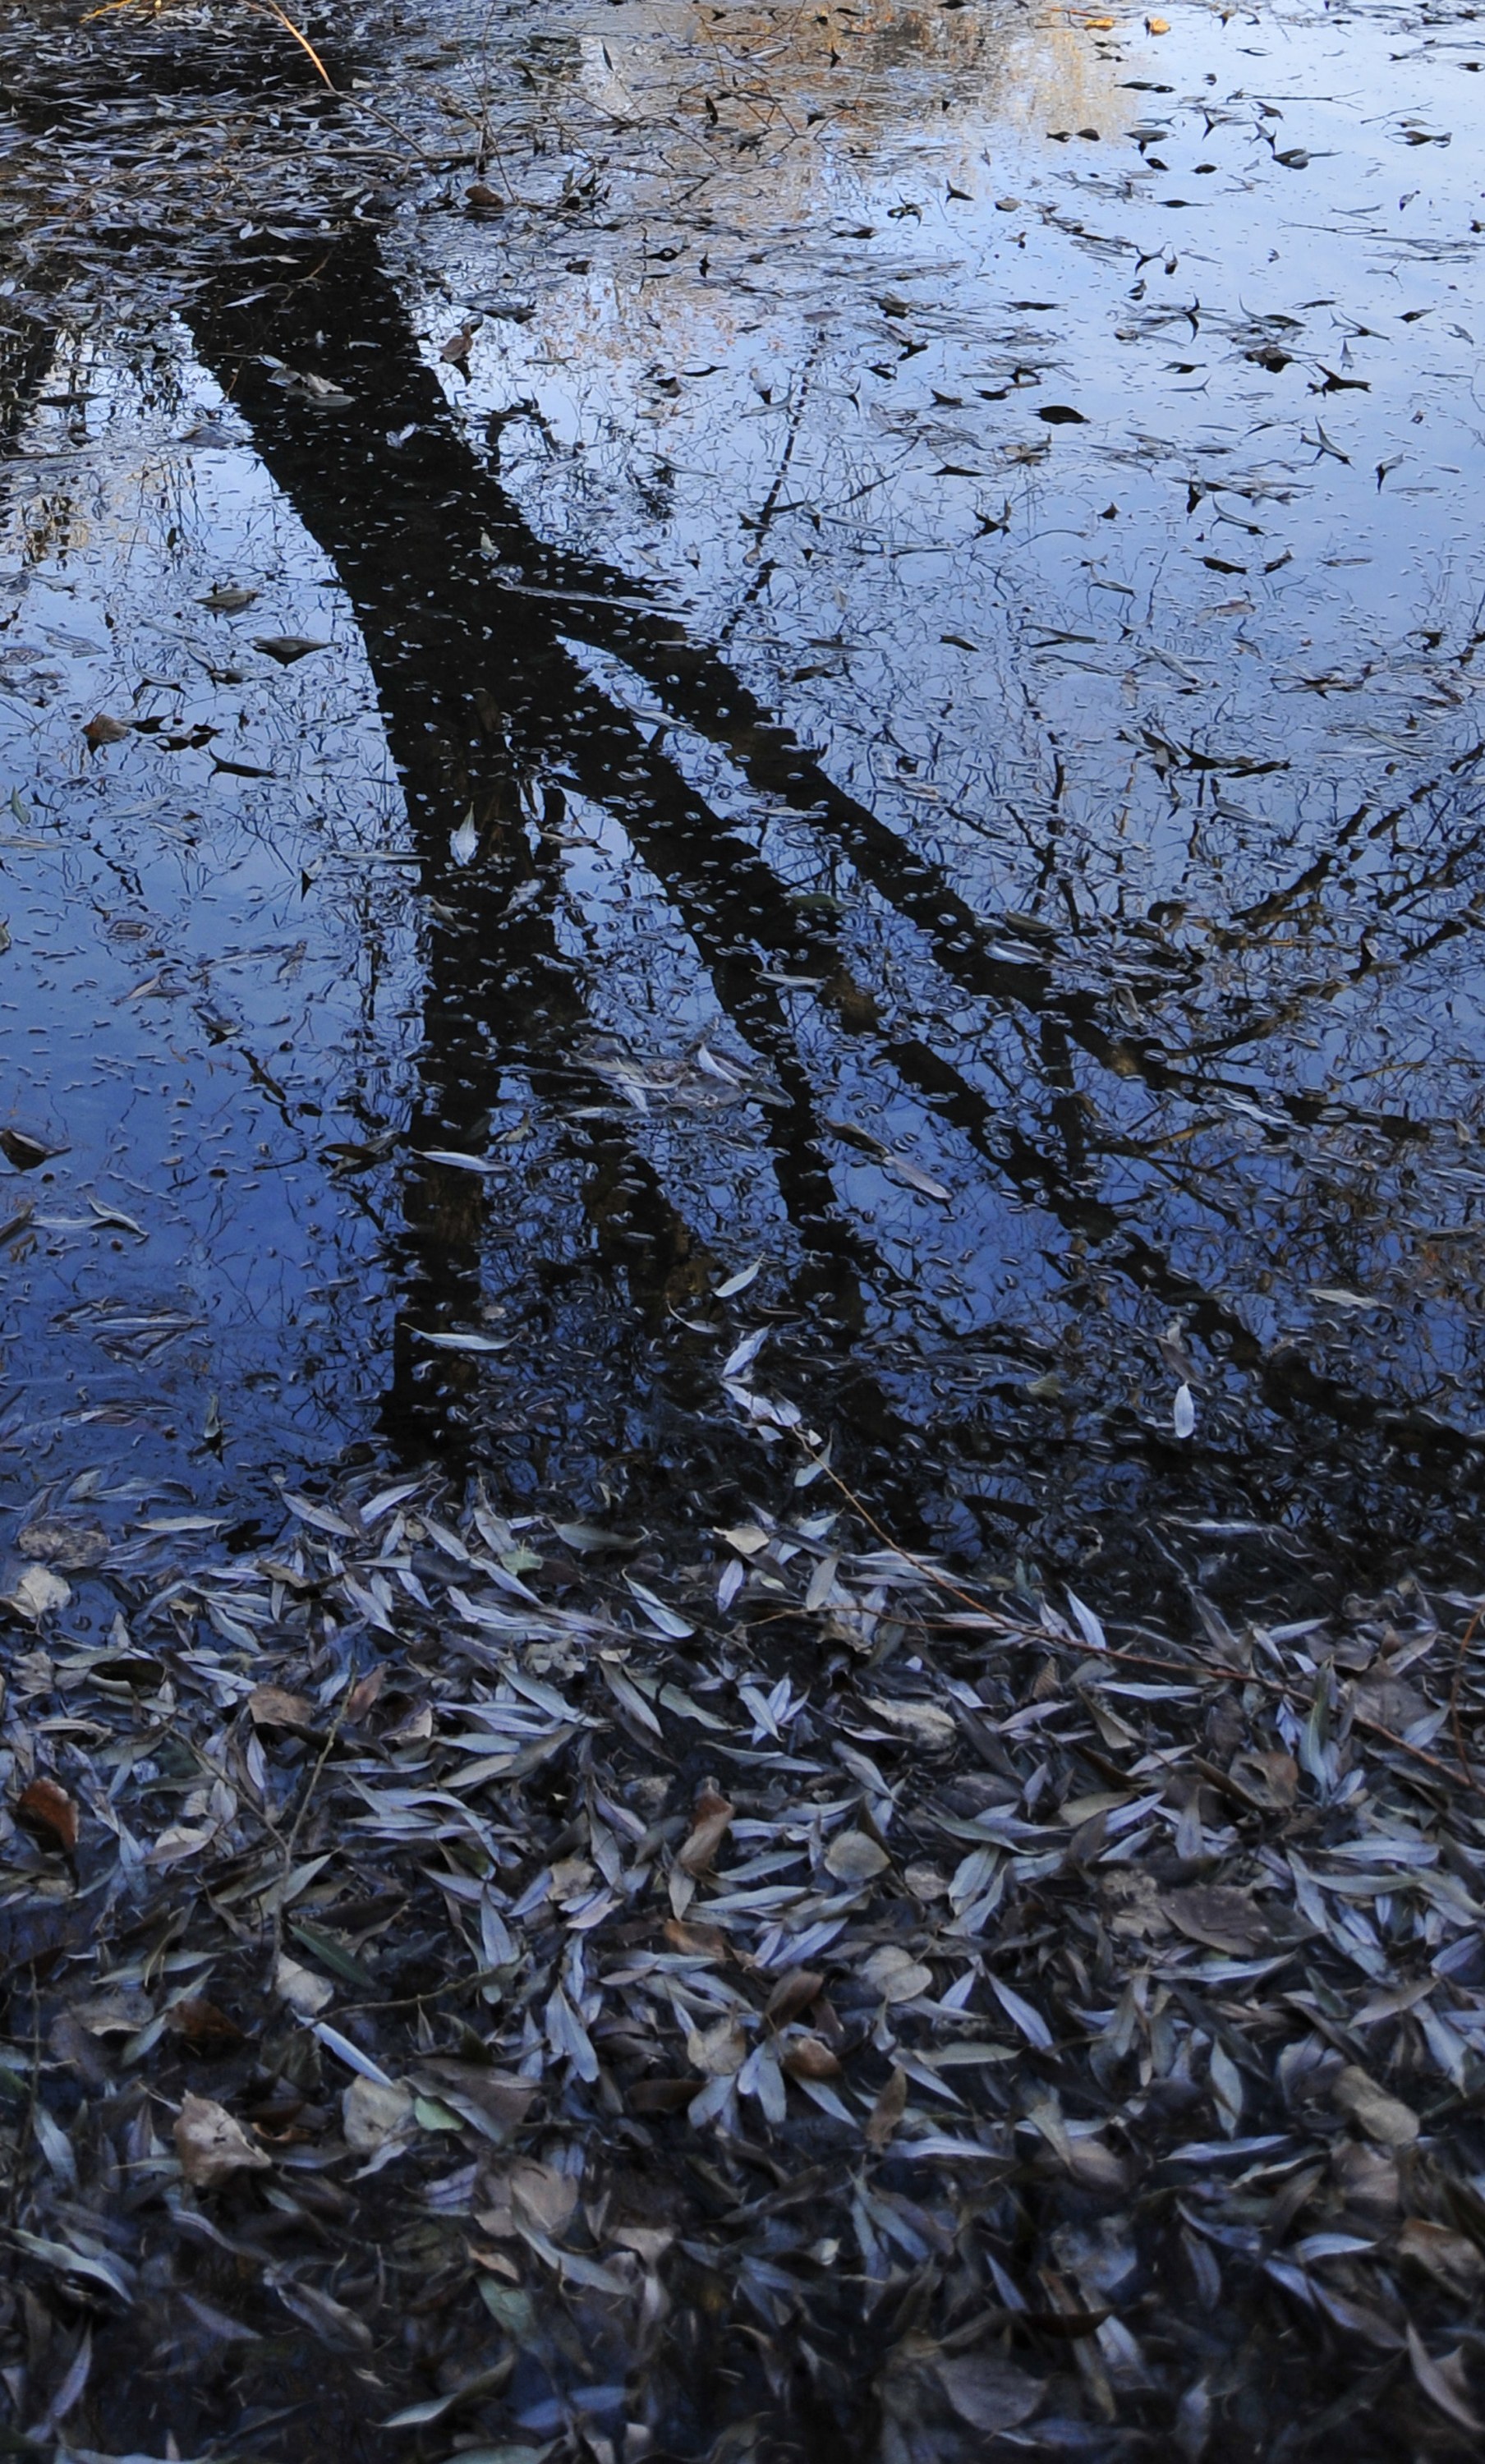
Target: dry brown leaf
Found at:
x=896, y=1975
x=1382, y=1701
x=853, y=1856
x=37, y=1593
x=793, y=1992
x=50, y=1814
x=1219, y=1916
x=718, y=2049
x=75, y=1547
x=923, y=1722
x=1094, y=2166
x=809, y=2057
x=305, y=1993
x=1384, y=2118
x=991, y=2394
x=104, y=730
x=545, y=2197
x=363, y=1694
x=204, y=2027
x=660, y=2094
x=1443, y=2381
x=271, y=1706
x=212, y=2144
x=1450, y=2257
x=888, y=2110
x=708, y=1828
x=1271, y=1779
x=371, y=2114
x=500, y=2102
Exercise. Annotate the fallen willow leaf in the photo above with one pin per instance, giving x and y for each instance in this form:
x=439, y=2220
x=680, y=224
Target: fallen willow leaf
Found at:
x=212, y=2144
x=1443, y=2381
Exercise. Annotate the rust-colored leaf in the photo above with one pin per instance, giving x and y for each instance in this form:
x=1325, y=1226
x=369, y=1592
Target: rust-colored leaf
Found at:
x=50, y=1814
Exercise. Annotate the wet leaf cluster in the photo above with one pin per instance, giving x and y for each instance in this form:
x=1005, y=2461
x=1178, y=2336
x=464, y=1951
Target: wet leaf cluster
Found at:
x=475, y=1988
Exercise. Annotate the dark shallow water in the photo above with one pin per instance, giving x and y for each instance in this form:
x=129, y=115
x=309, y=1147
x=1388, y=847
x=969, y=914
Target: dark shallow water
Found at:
x=905, y=714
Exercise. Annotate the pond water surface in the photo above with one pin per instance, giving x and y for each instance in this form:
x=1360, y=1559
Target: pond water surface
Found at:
x=861, y=662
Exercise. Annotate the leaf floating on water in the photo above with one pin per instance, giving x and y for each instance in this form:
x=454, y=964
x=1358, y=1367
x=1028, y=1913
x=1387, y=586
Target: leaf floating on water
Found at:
x=37, y=1593
x=739, y=1282
x=228, y=598
x=74, y=1546
x=286, y=648
x=915, y=1179
x=455, y=1342
x=104, y=730
x=464, y=844
x=1183, y=1412
x=26, y=1151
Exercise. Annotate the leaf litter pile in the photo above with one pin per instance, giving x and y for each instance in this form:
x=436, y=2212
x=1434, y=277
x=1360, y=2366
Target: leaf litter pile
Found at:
x=475, y=1990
